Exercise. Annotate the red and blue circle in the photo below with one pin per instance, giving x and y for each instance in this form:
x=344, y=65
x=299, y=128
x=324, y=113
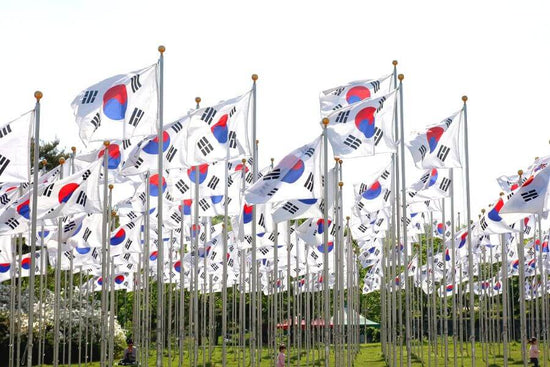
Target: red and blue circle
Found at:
x=118, y=238
x=357, y=94
x=219, y=129
x=494, y=213
x=203, y=173
x=119, y=279
x=373, y=191
x=247, y=213
x=433, y=177
x=321, y=247
x=365, y=121
x=321, y=225
x=115, y=101
x=26, y=263
x=66, y=192
x=186, y=208
x=114, y=156
x=152, y=147
x=24, y=209
x=433, y=136
x=153, y=256
x=5, y=267
x=177, y=266
x=82, y=250
x=153, y=185
x=295, y=167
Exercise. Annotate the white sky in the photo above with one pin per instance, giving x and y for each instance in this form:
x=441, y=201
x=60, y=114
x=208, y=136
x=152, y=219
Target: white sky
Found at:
x=496, y=52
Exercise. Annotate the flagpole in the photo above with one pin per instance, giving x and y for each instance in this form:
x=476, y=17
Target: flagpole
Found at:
x=404, y=215
x=453, y=266
x=253, y=225
x=325, y=243
x=160, y=253
x=57, y=288
x=469, y=237
x=38, y=96
x=521, y=258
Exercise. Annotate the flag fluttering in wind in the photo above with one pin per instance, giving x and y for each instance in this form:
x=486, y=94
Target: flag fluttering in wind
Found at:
x=119, y=107
x=15, y=149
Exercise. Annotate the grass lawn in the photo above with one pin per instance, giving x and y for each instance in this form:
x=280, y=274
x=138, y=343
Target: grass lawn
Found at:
x=370, y=355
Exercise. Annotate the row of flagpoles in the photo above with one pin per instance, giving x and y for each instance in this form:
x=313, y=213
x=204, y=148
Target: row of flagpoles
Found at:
x=95, y=215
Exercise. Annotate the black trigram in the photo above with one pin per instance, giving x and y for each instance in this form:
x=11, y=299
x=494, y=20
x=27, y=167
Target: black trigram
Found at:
x=204, y=204
x=12, y=223
x=379, y=222
x=387, y=195
x=128, y=244
x=337, y=107
x=272, y=237
x=86, y=174
x=273, y=175
x=363, y=228
x=127, y=256
x=138, y=163
x=422, y=150
x=176, y=217
x=96, y=121
x=385, y=174
x=214, y=266
x=232, y=139
x=5, y=131
x=250, y=177
x=381, y=103
x=378, y=133
x=182, y=186
x=445, y=183
x=362, y=188
x=48, y=190
x=171, y=153
x=229, y=181
x=448, y=122
x=4, y=199
x=291, y=208
x=273, y=191
x=352, y=142
x=86, y=234
x=134, y=81
x=4, y=162
x=213, y=183
x=309, y=152
x=126, y=143
x=360, y=206
x=136, y=117
x=132, y=215
x=142, y=197
x=204, y=146
x=309, y=182
x=69, y=226
x=177, y=126
x=483, y=223
x=314, y=255
x=264, y=250
x=82, y=198
x=337, y=91
x=529, y=195
x=375, y=85
x=208, y=115
x=261, y=221
x=412, y=194
x=89, y=96
x=69, y=255
x=443, y=152
x=95, y=253
x=342, y=117
x=130, y=225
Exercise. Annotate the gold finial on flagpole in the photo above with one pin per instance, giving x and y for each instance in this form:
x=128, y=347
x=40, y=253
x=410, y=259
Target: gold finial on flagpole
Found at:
x=162, y=49
x=254, y=77
x=106, y=143
x=198, y=100
x=111, y=186
x=394, y=62
x=44, y=162
x=326, y=121
x=73, y=149
x=38, y=95
x=520, y=172
x=61, y=160
x=340, y=184
x=464, y=99
x=401, y=77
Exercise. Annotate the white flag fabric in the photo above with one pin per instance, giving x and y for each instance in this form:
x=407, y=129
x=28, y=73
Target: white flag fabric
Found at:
x=531, y=196
x=15, y=149
x=296, y=176
x=336, y=98
x=119, y=107
x=438, y=146
x=363, y=128
x=433, y=185
x=218, y=133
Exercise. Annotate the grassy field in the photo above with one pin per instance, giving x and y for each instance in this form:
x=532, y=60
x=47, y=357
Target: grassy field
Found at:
x=370, y=355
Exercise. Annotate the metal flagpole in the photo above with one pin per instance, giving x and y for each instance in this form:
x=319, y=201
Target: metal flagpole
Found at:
x=104, y=249
x=160, y=254
x=521, y=269
x=224, y=268
x=469, y=237
x=404, y=215
x=325, y=244
x=13, y=291
x=453, y=266
x=38, y=96
x=181, y=338
x=254, y=268
x=57, y=288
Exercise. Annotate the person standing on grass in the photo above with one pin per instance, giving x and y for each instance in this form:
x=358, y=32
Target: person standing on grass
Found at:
x=281, y=357
x=534, y=352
